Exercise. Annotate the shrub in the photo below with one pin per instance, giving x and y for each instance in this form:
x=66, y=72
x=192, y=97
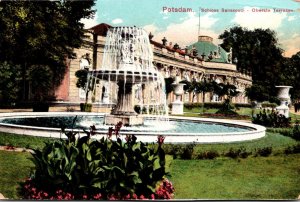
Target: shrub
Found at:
x=187, y=152
x=272, y=119
x=293, y=149
x=86, y=107
x=173, y=149
x=207, y=155
x=191, y=105
x=208, y=105
x=296, y=132
x=240, y=152
x=226, y=108
x=83, y=168
x=266, y=151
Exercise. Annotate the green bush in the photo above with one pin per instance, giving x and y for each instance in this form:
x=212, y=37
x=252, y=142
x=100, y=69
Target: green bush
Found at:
x=237, y=153
x=187, y=152
x=212, y=105
x=272, y=119
x=83, y=167
x=207, y=155
x=296, y=132
x=86, y=107
x=173, y=150
x=266, y=151
x=227, y=108
x=208, y=105
x=293, y=149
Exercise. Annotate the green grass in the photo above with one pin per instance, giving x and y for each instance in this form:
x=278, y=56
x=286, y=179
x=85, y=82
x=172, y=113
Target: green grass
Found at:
x=197, y=112
x=23, y=141
x=277, y=141
x=274, y=177
x=15, y=167
x=242, y=110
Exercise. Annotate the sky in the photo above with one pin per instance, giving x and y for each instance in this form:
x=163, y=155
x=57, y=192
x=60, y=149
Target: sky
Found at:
x=159, y=18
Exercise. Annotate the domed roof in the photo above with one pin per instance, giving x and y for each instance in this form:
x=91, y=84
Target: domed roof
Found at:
x=210, y=51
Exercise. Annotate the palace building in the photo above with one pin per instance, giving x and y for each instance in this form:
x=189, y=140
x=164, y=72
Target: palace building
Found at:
x=198, y=61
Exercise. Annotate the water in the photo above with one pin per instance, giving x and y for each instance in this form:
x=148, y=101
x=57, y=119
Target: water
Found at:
x=128, y=63
x=149, y=126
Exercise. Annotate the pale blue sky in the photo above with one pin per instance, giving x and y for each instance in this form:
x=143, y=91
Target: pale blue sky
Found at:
x=182, y=28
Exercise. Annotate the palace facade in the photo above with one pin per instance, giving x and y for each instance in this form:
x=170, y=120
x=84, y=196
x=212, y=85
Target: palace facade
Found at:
x=201, y=60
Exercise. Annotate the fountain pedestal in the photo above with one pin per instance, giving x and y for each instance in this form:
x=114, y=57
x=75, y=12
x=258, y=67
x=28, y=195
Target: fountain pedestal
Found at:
x=284, y=97
x=127, y=120
x=177, y=105
x=124, y=110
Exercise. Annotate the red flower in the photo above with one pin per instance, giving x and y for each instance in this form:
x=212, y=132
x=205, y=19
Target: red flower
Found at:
x=97, y=196
x=160, y=139
x=152, y=196
x=134, y=196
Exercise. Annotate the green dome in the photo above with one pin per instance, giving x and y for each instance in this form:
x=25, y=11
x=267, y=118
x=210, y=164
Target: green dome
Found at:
x=204, y=46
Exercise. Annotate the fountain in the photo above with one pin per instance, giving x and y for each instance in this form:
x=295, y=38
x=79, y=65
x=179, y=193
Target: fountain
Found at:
x=177, y=105
x=127, y=61
x=284, y=97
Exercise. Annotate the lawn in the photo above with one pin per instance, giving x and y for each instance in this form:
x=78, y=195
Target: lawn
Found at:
x=15, y=167
x=273, y=177
x=241, y=110
x=277, y=141
x=24, y=141
x=246, y=111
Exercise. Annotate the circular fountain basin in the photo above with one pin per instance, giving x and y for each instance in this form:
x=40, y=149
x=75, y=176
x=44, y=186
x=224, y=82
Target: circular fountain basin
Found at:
x=176, y=130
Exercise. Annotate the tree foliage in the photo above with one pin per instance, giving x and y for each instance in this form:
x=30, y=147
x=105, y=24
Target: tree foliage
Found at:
x=42, y=33
x=168, y=84
x=258, y=52
x=85, y=82
x=10, y=77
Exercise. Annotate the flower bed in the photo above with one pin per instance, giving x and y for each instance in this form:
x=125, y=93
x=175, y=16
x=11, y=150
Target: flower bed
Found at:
x=83, y=168
x=164, y=190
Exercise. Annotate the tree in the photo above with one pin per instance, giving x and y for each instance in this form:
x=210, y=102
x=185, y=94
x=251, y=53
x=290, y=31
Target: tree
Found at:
x=40, y=78
x=258, y=52
x=291, y=75
x=198, y=87
x=257, y=92
x=190, y=87
x=225, y=90
x=10, y=77
x=42, y=33
x=85, y=82
x=168, y=85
